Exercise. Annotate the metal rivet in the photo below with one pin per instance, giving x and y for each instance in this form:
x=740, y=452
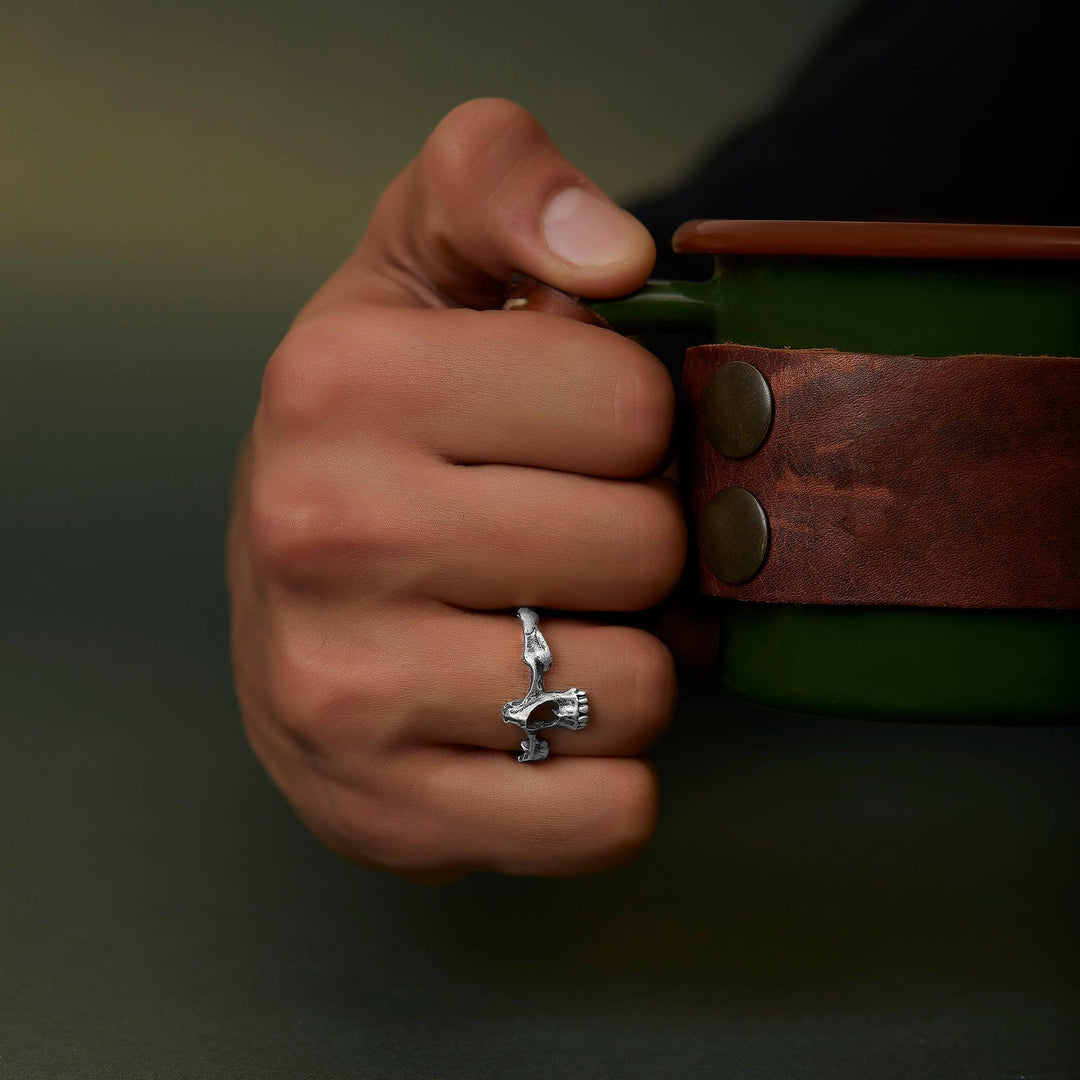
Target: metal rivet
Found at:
x=737, y=409
x=734, y=535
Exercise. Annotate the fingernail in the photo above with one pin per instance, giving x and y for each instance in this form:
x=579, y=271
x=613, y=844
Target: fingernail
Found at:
x=587, y=231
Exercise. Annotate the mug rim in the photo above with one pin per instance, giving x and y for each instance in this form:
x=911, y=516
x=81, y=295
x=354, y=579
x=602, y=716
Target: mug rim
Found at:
x=877, y=239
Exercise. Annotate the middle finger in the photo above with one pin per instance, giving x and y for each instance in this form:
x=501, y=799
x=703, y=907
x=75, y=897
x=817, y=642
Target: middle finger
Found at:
x=500, y=536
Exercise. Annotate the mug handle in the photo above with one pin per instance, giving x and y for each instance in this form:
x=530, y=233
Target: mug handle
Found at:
x=657, y=307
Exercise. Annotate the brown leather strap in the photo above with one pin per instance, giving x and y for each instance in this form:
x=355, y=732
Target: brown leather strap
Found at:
x=945, y=482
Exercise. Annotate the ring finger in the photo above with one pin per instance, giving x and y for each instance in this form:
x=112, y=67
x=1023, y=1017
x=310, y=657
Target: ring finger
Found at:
x=628, y=675
x=444, y=675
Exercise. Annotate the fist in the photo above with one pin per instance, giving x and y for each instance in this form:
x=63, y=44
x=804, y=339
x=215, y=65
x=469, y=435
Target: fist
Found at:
x=421, y=464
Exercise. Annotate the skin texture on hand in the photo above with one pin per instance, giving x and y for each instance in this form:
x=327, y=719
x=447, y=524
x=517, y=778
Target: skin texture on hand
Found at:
x=421, y=464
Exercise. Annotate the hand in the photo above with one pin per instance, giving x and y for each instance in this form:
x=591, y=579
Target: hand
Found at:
x=419, y=466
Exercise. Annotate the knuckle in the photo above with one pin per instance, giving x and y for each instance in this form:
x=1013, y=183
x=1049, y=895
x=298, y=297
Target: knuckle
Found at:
x=335, y=698
x=314, y=698
x=291, y=540
x=354, y=824
x=471, y=152
x=291, y=383
x=618, y=821
x=643, y=411
x=659, y=534
x=322, y=367
x=469, y=134
x=380, y=829
x=635, y=808
x=654, y=683
x=307, y=538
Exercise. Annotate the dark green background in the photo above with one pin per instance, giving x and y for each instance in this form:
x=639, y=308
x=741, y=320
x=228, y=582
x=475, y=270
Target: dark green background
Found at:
x=824, y=898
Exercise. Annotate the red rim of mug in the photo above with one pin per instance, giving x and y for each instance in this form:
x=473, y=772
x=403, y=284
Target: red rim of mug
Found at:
x=879, y=239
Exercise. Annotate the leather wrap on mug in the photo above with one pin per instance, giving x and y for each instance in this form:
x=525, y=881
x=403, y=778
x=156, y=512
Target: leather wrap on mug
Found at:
x=897, y=480
x=887, y=468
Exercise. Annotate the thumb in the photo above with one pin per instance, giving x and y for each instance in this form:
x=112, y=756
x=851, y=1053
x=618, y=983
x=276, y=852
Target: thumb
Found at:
x=487, y=196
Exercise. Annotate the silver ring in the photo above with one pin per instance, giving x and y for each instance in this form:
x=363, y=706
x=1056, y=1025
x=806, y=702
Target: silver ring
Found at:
x=540, y=708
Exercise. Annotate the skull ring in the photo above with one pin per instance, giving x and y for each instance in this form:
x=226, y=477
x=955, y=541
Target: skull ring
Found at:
x=541, y=708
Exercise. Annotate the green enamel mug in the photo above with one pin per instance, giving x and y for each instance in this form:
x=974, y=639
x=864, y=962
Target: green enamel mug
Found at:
x=946, y=309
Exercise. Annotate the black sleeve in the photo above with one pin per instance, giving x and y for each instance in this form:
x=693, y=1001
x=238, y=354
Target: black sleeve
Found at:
x=960, y=110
